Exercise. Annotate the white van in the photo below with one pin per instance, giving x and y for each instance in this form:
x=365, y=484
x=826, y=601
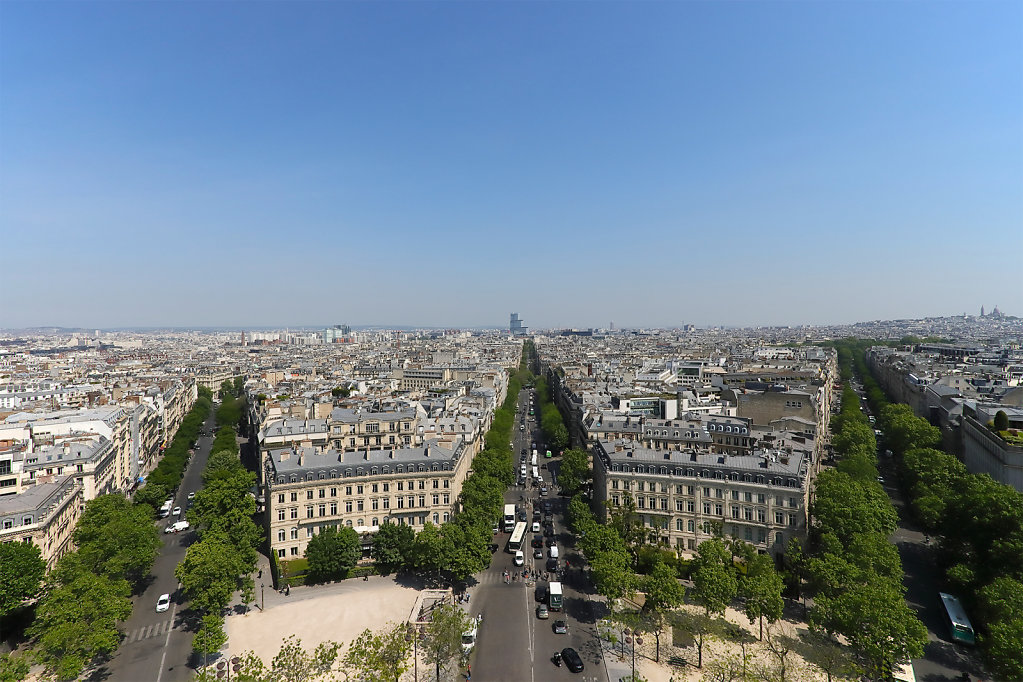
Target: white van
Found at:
x=554, y=551
x=165, y=510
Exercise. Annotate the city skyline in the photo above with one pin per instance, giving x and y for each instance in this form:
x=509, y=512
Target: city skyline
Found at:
x=442, y=164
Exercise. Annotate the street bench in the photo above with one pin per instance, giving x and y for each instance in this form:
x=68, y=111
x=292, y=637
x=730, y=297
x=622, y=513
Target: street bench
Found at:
x=677, y=661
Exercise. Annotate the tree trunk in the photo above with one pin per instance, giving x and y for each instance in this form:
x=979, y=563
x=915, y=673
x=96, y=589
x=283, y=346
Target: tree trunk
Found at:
x=657, y=638
x=761, y=628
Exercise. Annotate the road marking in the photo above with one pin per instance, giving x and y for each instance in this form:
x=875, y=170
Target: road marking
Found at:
x=530, y=628
x=166, y=642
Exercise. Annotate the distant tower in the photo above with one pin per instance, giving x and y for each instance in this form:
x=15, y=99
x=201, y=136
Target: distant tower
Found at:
x=243, y=338
x=516, y=327
x=982, y=311
x=612, y=325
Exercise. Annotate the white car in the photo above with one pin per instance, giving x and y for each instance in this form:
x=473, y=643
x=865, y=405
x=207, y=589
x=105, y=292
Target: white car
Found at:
x=163, y=603
x=520, y=558
x=536, y=526
x=177, y=511
x=177, y=527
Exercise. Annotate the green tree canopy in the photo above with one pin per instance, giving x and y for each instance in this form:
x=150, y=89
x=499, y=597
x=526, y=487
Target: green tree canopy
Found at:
x=713, y=577
x=332, y=553
x=116, y=539
x=21, y=574
x=77, y=622
x=392, y=546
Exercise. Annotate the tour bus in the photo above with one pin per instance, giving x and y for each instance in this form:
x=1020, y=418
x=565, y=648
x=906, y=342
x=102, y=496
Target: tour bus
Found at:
x=556, y=595
x=955, y=618
x=517, y=537
x=509, y=517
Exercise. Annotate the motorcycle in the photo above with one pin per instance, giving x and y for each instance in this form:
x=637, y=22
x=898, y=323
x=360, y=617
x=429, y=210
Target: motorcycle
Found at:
x=557, y=658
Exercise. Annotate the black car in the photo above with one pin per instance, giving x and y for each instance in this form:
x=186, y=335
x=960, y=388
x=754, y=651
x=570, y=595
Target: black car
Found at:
x=551, y=541
x=522, y=516
x=547, y=506
x=541, y=593
x=537, y=541
x=548, y=530
x=572, y=660
x=552, y=565
x=538, y=553
x=536, y=515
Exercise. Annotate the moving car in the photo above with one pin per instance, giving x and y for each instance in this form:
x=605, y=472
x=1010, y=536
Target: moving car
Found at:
x=520, y=558
x=163, y=603
x=177, y=527
x=572, y=659
x=542, y=612
x=560, y=627
x=538, y=553
x=191, y=496
x=536, y=526
x=537, y=541
x=177, y=511
x=552, y=565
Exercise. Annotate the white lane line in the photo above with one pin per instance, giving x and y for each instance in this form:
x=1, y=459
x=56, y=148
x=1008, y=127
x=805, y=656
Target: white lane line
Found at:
x=166, y=641
x=530, y=628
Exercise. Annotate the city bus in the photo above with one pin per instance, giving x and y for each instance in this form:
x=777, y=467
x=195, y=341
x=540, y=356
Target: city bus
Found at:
x=509, y=517
x=517, y=536
x=955, y=618
x=534, y=458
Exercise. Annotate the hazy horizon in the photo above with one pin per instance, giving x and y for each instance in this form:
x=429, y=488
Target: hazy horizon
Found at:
x=653, y=164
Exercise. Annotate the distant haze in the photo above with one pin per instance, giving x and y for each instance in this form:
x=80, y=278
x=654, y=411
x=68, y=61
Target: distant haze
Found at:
x=446, y=164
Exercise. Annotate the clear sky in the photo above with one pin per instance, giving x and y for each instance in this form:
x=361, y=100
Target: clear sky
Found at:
x=445, y=164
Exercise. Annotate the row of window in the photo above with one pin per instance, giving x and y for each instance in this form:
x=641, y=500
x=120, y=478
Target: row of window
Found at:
x=704, y=473
x=293, y=533
x=758, y=514
x=361, y=471
x=690, y=491
x=350, y=506
x=360, y=489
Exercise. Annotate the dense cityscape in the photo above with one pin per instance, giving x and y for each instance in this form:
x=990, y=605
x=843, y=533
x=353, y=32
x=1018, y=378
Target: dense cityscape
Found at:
x=201, y=494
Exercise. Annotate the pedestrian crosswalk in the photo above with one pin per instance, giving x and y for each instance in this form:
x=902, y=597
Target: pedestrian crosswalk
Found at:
x=147, y=631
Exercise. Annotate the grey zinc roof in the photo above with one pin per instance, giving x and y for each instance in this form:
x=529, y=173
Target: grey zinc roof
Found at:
x=346, y=416
x=751, y=463
x=334, y=460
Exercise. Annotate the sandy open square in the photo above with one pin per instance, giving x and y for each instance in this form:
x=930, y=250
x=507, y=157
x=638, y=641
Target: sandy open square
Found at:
x=338, y=612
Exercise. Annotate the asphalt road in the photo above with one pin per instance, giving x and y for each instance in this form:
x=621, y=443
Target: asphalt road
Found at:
x=158, y=646
x=513, y=644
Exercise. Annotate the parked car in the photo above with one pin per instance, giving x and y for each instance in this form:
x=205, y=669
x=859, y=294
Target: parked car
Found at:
x=572, y=659
x=542, y=611
x=163, y=603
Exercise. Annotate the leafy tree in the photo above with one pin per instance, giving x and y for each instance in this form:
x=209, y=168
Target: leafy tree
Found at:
x=1001, y=421
x=392, y=546
x=226, y=389
x=211, y=636
x=442, y=636
x=845, y=507
x=209, y=573
x=714, y=578
x=294, y=664
x=664, y=593
x=332, y=553
x=379, y=657
x=833, y=659
x=77, y=621
x=239, y=385
x=430, y=552
x=761, y=589
x=21, y=574
x=116, y=539
x=580, y=517
x=701, y=625
x=875, y=620
x=467, y=549
x=1001, y=604
x=611, y=575
x=574, y=470
x=13, y=668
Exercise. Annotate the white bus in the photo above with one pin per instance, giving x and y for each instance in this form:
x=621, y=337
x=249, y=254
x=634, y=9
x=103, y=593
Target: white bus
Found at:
x=509, y=517
x=534, y=457
x=517, y=537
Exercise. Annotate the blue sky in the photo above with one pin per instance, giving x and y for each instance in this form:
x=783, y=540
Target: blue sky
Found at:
x=444, y=164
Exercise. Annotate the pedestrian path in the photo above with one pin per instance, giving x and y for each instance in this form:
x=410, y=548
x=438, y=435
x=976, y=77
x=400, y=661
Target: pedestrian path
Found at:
x=147, y=631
